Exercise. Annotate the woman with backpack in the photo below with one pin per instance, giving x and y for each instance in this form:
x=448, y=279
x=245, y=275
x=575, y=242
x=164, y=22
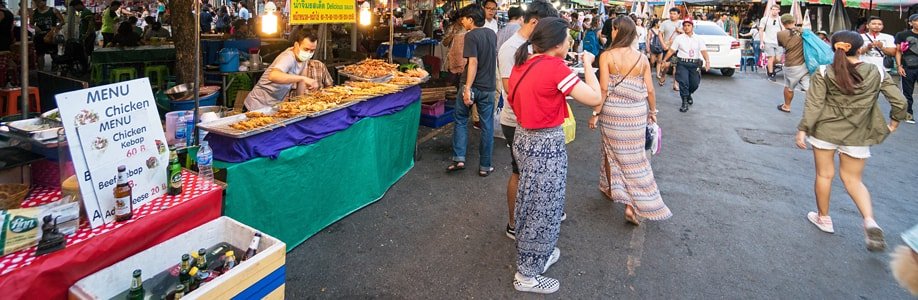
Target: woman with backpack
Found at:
x=591, y=37
x=655, y=45
x=843, y=116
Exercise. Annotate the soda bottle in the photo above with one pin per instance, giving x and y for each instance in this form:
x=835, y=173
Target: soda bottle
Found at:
x=175, y=175
x=205, y=162
x=253, y=247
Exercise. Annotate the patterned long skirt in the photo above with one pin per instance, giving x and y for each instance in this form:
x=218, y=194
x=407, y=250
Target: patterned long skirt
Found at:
x=542, y=158
x=625, y=174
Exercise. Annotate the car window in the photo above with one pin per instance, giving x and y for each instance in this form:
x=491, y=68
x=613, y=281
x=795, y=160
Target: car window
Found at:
x=708, y=29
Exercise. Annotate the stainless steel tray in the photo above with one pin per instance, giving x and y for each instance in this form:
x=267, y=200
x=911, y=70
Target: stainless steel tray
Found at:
x=383, y=79
x=30, y=127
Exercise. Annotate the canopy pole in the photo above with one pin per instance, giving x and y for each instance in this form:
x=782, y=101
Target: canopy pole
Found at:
x=197, y=72
x=24, y=57
x=391, y=28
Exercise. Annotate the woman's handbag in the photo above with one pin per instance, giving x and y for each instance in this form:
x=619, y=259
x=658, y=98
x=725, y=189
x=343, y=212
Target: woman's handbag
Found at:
x=653, y=140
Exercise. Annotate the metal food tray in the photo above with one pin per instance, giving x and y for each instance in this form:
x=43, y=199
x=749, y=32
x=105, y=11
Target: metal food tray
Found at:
x=221, y=126
x=382, y=79
x=38, y=135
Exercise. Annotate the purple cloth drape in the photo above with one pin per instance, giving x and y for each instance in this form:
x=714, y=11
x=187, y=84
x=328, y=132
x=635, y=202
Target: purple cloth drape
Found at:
x=308, y=131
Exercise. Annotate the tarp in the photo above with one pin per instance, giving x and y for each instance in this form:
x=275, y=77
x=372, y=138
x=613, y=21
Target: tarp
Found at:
x=310, y=187
x=838, y=17
x=865, y=4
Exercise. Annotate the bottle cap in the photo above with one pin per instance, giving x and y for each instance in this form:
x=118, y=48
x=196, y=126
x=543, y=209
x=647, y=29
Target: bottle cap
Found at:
x=202, y=251
x=185, y=257
x=137, y=273
x=230, y=253
x=180, y=287
x=121, y=168
x=193, y=255
x=193, y=271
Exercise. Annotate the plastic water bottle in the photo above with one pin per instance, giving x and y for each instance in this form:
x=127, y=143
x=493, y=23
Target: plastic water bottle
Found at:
x=180, y=134
x=205, y=162
x=189, y=129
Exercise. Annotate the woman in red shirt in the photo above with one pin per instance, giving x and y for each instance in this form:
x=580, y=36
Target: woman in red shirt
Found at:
x=538, y=86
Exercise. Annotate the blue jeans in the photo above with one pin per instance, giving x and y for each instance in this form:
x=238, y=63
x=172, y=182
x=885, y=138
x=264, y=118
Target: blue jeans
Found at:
x=756, y=50
x=485, y=103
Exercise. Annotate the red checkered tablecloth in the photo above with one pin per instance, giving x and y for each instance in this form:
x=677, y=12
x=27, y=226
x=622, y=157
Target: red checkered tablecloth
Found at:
x=144, y=229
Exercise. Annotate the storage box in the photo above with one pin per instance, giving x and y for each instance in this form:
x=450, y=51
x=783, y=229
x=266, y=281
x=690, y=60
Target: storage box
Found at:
x=437, y=121
x=261, y=277
x=433, y=109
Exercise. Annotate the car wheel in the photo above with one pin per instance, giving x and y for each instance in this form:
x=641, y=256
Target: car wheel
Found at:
x=727, y=71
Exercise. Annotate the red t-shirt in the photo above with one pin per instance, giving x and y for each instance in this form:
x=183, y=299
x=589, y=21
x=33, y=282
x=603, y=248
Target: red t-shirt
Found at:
x=540, y=99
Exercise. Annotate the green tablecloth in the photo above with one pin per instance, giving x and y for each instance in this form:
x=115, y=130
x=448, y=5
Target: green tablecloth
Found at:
x=310, y=187
x=116, y=55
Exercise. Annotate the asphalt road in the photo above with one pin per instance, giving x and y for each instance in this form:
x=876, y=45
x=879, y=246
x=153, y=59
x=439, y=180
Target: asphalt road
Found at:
x=738, y=188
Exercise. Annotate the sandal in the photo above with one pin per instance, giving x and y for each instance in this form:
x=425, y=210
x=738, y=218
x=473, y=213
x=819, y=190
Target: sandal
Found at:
x=631, y=218
x=486, y=172
x=781, y=108
x=455, y=166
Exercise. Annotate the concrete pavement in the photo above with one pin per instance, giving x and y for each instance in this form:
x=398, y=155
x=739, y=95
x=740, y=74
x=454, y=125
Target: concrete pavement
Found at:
x=738, y=189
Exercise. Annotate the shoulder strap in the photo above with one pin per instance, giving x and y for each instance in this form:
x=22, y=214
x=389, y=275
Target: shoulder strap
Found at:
x=625, y=75
x=524, y=76
x=878, y=49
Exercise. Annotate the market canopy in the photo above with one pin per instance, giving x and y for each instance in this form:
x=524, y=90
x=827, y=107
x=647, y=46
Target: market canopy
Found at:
x=864, y=4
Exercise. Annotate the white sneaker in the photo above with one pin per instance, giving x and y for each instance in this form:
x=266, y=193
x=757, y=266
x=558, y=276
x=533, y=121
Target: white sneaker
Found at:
x=539, y=284
x=823, y=223
x=563, y=216
x=910, y=121
x=555, y=255
x=874, y=236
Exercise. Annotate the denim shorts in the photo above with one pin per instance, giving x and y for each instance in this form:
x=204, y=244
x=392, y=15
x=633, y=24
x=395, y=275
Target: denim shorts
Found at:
x=861, y=152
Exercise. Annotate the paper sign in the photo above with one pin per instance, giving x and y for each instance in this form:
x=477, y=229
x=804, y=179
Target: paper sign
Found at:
x=110, y=126
x=322, y=11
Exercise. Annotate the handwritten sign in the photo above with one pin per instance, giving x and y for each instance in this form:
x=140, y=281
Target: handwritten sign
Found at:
x=322, y=11
x=110, y=126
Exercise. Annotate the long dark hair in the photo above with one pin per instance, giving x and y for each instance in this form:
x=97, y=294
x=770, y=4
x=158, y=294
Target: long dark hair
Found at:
x=626, y=32
x=846, y=43
x=549, y=33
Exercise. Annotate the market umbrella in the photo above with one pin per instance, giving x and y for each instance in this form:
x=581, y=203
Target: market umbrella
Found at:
x=796, y=11
x=666, y=7
x=648, y=9
x=838, y=17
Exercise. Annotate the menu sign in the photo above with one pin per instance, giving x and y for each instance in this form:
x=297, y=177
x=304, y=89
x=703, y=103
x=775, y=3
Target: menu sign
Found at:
x=322, y=11
x=110, y=126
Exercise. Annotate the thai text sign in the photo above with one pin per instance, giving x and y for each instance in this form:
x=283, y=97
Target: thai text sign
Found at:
x=322, y=11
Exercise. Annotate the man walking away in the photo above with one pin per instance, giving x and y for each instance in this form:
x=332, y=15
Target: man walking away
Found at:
x=768, y=31
x=689, y=49
x=478, y=85
x=877, y=45
x=907, y=60
x=795, y=71
x=515, y=14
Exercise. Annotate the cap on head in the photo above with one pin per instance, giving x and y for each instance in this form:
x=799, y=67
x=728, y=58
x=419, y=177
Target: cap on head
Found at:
x=688, y=21
x=788, y=19
x=913, y=17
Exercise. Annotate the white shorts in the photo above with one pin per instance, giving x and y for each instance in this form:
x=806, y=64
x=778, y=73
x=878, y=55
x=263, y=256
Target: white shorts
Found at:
x=861, y=152
x=796, y=76
x=773, y=50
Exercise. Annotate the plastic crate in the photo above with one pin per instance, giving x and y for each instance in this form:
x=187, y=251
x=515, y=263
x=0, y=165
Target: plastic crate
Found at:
x=437, y=121
x=434, y=109
x=209, y=100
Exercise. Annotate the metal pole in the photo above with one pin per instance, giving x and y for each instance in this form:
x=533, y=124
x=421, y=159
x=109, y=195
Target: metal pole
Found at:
x=391, y=29
x=24, y=56
x=197, y=69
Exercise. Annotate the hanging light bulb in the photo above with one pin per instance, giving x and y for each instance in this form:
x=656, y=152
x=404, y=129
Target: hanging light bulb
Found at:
x=365, y=16
x=269, y=19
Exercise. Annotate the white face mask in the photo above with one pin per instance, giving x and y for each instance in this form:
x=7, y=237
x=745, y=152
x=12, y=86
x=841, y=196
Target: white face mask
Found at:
x=305, y=55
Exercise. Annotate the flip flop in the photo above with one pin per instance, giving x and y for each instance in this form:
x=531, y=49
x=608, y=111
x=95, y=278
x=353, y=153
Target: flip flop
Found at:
x=455, y=166
x=485, y=173
x=781, y=108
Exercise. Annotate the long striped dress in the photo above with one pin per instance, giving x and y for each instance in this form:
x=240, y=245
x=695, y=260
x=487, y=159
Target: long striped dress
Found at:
x=625, y=174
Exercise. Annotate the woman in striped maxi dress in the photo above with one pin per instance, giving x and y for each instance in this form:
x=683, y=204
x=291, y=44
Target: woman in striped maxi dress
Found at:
x=625, y=175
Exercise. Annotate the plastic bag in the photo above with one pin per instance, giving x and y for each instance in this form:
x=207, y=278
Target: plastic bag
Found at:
x=569, y=126
x=653, y=140
x=815, y=51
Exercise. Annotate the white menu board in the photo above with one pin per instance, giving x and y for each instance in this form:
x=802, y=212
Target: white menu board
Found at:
x=110, y=126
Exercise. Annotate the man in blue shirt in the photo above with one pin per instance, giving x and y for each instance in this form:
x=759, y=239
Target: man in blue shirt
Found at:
x=244, y=12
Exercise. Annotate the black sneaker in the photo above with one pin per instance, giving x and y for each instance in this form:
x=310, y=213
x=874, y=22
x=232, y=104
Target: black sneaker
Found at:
x=772, y=78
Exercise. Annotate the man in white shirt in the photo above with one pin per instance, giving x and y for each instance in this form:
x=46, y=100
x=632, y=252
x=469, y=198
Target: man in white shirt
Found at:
x=877, y=45
x=768, y=32
x=515, y=14
x=538, y=9
x=490, y=7
x=671, y=28
x=689, y=50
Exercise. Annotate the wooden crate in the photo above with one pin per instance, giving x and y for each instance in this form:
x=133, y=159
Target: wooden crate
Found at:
x=261, y=277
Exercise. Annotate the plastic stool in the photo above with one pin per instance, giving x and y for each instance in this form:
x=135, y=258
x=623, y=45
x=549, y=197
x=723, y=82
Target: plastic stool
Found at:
x=97, y=73
x=157, y=74
x=747, y=61
x=117, y=74
x=11, y=99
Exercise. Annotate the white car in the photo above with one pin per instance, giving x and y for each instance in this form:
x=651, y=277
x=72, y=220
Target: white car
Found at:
x=724, y=50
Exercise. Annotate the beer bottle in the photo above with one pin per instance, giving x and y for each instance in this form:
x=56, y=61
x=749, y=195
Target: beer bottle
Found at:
x=175, y=175
x=201, y=261
x=185, y=279
x=253, y=247
x=179, y=292
x=186, y=262
x=136, y=292
x=124, y=207
x=193, y=282
x=229, y=261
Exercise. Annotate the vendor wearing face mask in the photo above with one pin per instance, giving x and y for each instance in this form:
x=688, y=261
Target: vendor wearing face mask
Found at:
x=291, y=69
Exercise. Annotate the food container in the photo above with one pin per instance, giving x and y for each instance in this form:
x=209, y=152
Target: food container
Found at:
x=39, y=129
x=182, y=92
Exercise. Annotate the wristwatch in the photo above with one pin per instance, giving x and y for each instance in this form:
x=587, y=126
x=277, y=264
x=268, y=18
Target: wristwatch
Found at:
x=596, y=113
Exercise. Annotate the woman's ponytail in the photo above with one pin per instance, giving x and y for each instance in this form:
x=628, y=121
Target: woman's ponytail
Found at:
x=522, y=54
x=846, y=44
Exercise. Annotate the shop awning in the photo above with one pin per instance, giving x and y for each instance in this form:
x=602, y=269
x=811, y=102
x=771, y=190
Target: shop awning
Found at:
x=865, y=4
